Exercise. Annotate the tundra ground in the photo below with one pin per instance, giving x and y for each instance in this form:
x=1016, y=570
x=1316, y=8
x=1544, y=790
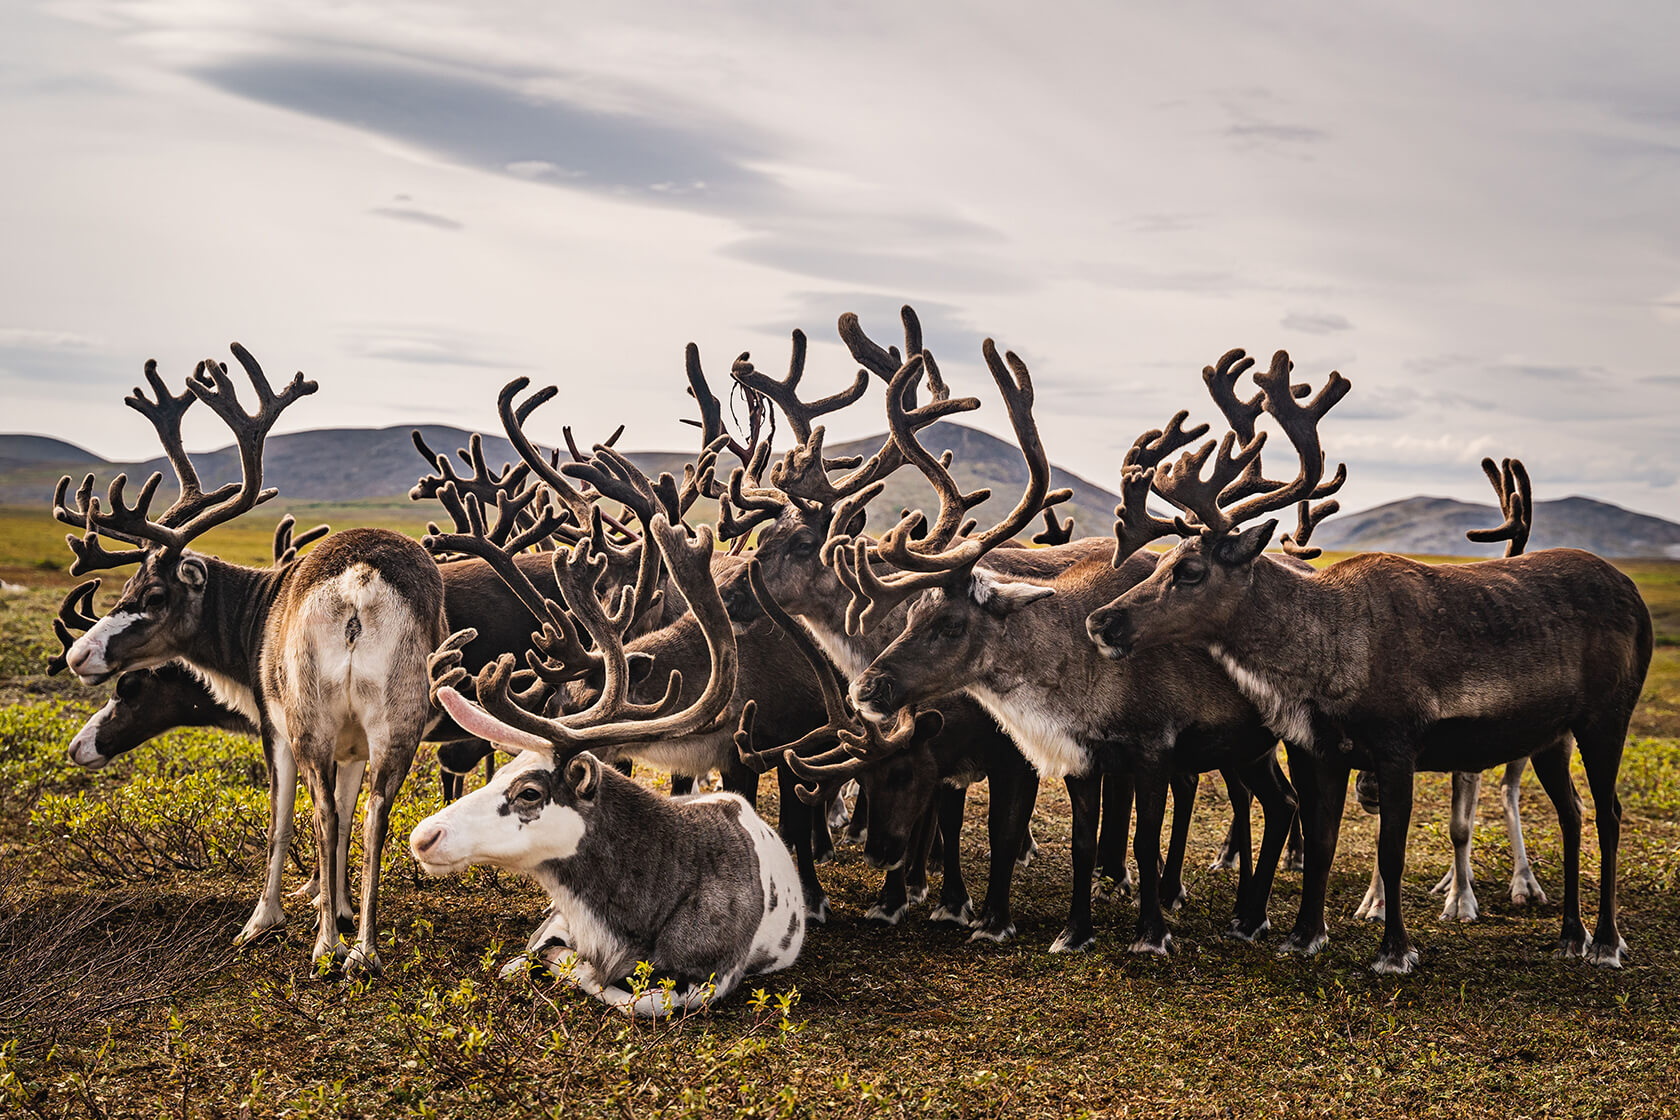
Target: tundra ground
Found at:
x=120, y=996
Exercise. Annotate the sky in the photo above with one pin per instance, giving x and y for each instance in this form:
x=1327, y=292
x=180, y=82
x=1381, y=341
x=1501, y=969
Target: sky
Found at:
x=1468, y=210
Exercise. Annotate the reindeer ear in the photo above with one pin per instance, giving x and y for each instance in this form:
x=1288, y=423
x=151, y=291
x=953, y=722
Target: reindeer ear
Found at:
x=1246, y=545
x=583, y=774
x=640, y=665
x=1005, y=598
x=192, y=571
x=928, y=724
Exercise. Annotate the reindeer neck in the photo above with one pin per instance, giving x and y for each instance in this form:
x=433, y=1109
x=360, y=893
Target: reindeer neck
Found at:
x=852, y=653
x=237, y=602
x=1290, y=639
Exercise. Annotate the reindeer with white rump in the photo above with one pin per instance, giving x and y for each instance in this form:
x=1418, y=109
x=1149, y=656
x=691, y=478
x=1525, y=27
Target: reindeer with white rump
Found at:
x=699, y=887
x=1386, y=664
x=326, y=656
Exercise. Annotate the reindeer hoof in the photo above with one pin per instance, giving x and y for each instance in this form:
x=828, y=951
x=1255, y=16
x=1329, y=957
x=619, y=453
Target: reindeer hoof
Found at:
x=1460, y=907
x=1525, y=890
x=1073, y=941
x=1145, y=944
x=962, y=915
x=1391, y=963
x=1240, y=931
x=261, y=925
x=1607, y=956
x=858, y=837
x=1302, y=944
x=1444, y=885
x=1175, y=901
x=1224, y=860
x=518, y=967
x=364, y=961
x=1373, y=908
x=1293, y=861
x=997, y=934
x=879, y=913
x=310, y=890
x=1106, y=889
x=816, y=912
x=1572, y=946
x=916, y=895
x=1025, y=858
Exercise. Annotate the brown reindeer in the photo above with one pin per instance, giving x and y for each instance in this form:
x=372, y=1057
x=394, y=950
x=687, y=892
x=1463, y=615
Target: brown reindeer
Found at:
x=1004, y=639
x=1386, y=664
x=326, y=656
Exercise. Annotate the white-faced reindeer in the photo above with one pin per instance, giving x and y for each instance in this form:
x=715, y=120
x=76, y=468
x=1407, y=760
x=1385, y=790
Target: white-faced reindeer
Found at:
x=698, y=887
x=1006, y=641
x=1386, y=664
x=326, y=656
x=1510, y=482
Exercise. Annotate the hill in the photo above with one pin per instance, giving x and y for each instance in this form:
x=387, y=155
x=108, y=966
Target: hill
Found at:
x=359, y=464
x=1436, y=526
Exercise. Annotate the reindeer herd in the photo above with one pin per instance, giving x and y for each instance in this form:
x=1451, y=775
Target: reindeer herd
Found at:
x=579, y=615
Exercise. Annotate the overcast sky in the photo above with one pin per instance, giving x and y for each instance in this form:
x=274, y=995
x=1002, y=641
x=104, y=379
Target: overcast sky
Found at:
x=1472, y=214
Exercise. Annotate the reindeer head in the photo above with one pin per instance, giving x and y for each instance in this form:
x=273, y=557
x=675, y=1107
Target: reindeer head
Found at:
x=161, y=606
x=1199, y=586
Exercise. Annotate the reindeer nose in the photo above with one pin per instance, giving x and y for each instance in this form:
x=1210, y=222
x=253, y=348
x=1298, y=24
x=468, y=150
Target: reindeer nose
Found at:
x=421, y=843
x=878, y=691
x=1112, y=630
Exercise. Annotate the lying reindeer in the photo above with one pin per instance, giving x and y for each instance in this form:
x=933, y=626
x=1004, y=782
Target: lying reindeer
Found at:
x=713, y=896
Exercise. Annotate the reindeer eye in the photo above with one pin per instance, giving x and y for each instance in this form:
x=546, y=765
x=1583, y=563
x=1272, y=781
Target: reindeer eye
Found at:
x=530, y=795
x=802, y=546
x=1190, y=572
x=154, y=601
x=953, y=627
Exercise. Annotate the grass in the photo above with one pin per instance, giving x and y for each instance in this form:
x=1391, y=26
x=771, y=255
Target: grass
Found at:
x=119, y=995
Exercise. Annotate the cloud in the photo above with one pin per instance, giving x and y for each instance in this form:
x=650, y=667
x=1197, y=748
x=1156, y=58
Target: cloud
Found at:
x=419, y=217
x=1323, y=323
x=497, y=126
x=416, y=345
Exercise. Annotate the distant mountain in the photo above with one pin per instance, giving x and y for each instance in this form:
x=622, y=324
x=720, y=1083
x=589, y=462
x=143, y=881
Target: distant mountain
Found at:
x=355, y=464
x=1436, y=526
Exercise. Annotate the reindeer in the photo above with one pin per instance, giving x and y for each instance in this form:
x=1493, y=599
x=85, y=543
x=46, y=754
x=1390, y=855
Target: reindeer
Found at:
x=1386, y=664
x=1003, y=640
x=325, y=656
x=698, y=887
x=1510, y=483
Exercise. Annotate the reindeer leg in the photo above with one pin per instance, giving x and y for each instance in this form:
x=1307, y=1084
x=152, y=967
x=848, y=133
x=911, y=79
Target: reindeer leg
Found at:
x=1551, y=766
x=1394, y=781
x=391, y=749
x=1525, y=888
x=955, y=906
x=1014, y=792
x=742, y=780
x=857, y=829
x=270, y=912
x=1277, y=800
x=795, y=827
x=1173, y=892
x=1086, y=795
x=1374, y=906
x=315, y=761
x=1601, y=756
x=1151, y=781
x=348, y=790
x=1321, y=784
x=1238, y=837
x=1111, y=848
x=921, y=852
x=1459, y=883
x=681, y=785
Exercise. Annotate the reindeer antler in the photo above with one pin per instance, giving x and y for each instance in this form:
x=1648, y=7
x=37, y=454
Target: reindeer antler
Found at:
x=74, y=613
x=195, y=512
x=1516, y=500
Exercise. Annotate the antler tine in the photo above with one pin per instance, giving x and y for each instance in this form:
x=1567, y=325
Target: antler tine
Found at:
x=287, y=547
x=1307, y=517
x=1221, y=381
x=211, y=384
x=761, y=505
x=165, y=414
x=784, y=394
x=1516, y=501
x=604, y=724
x=130, y=524
x=711, y=424
x=91, y=555
x=572, y=447
x=1182, y=484
x=612, y=474
x=74, y=613
x=1300, y=424
x=513, y=423
x=1055, y=532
